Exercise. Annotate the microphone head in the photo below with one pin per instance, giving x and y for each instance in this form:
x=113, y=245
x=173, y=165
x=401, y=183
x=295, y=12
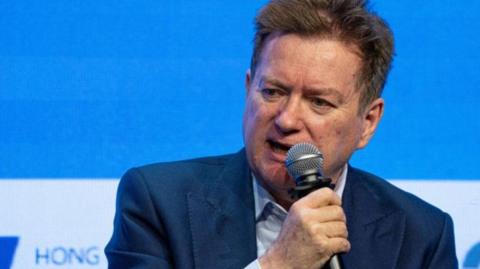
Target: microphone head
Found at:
x=303, y=159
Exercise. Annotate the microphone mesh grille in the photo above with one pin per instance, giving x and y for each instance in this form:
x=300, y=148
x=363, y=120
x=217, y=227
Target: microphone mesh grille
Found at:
x=303, y=157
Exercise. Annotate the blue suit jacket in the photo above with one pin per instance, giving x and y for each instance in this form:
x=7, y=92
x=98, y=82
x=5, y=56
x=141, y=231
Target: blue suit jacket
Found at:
x=200, y=214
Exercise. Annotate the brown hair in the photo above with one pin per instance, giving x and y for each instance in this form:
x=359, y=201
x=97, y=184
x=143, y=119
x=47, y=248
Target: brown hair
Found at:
x=348, y=21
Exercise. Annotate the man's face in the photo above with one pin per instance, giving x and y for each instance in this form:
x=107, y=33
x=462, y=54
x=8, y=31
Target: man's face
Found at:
x=304, y=90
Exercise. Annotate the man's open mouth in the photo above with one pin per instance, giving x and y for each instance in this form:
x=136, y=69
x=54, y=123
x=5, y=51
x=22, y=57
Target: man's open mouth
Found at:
x=278, y=147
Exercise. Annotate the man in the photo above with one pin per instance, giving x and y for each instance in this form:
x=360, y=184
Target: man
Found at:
x=317, y=72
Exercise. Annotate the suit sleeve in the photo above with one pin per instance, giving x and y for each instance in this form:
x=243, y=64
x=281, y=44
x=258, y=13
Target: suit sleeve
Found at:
x=444, y=256
x=138, y=239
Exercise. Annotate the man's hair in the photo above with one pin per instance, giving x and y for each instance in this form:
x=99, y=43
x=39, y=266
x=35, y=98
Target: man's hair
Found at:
x=348, y=21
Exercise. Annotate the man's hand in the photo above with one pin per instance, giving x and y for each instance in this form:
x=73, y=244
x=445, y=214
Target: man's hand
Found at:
x=315, y=230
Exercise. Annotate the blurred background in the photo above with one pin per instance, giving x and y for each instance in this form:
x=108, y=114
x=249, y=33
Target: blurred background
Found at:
x=89, y=89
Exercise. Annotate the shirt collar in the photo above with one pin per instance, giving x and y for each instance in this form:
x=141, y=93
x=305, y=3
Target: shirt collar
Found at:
x=263, y=197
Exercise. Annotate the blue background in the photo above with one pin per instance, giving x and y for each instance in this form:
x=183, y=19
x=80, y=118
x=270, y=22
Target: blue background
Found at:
x=91, y=88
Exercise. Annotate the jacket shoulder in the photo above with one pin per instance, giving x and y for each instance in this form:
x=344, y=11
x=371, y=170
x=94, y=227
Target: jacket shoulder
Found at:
x=397, y=198
x=183, y=171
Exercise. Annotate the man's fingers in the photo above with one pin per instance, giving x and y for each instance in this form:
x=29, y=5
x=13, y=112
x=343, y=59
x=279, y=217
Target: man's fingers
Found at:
x=336, y=229
x=338, y=245
x=319, y=198
x=309, y=216
x=328, y=213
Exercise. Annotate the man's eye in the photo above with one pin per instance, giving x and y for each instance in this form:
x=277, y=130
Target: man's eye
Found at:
x=321, y=103
x=269, y=94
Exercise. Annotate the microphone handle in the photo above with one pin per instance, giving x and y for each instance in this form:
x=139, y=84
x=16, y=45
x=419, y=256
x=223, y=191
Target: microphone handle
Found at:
x=335, y=262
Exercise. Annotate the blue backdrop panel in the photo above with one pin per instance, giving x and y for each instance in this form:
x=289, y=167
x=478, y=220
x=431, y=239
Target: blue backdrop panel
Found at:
x=91, y=88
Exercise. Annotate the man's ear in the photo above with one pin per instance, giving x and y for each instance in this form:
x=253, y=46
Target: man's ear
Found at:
x=248, y=80
x=371, y=117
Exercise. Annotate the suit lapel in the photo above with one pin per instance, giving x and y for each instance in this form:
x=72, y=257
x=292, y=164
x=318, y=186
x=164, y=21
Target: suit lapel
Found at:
x=374, y=225
x=222, y=219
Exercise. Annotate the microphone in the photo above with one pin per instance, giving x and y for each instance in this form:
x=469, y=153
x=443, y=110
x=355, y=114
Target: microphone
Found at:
x=305, y=164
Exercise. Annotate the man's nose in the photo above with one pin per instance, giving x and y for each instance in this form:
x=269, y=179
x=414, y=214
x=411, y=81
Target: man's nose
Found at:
x=289, y=116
